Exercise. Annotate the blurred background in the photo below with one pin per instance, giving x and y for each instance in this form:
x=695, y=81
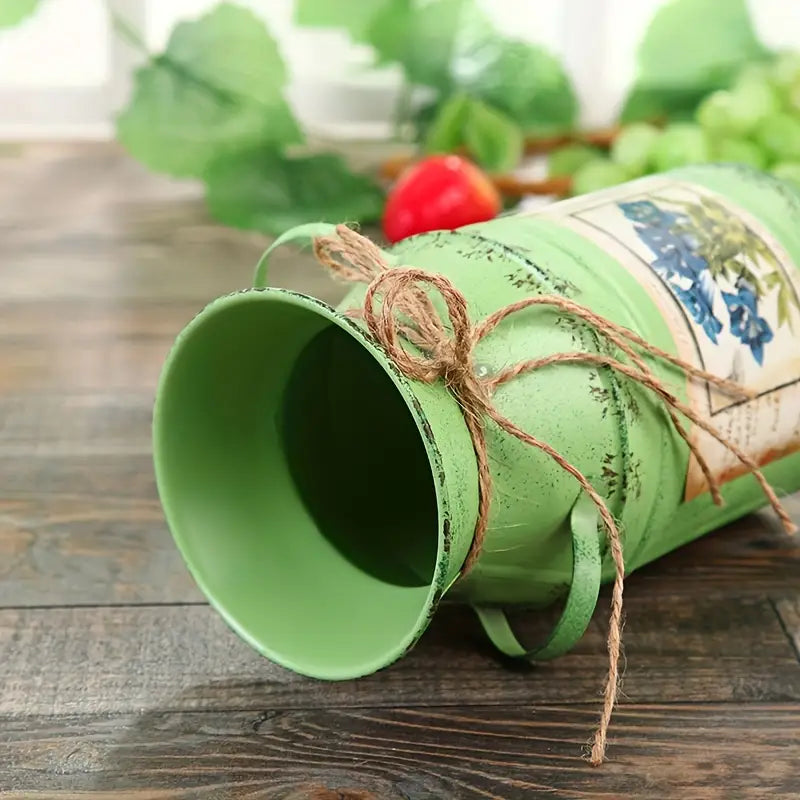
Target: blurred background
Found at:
x=64, y=72
x=289, y=111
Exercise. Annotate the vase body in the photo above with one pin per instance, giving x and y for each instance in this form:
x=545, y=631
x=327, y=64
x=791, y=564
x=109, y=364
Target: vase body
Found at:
x=325, y=503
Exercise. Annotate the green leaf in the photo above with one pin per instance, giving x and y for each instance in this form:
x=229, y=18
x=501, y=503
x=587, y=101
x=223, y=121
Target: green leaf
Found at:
x=492, y=138
x=215, y=90
x=263, y=190
x=446, y=131
x=524, y=81
x=356, y=19
x=12, y=12
x=784, y=305
x=690, y=48
x=389, y=30
x=451, y=46
x=653, y=103
x=431, y=41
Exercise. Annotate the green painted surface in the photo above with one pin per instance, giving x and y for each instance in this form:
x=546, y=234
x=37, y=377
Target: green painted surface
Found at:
x=325, y=503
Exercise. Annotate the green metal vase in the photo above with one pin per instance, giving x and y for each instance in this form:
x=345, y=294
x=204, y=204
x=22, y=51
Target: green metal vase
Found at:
x=325, y=503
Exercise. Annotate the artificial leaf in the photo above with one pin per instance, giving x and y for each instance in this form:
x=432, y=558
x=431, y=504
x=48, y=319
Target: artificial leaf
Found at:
x=690, y=48
x=263, y=190
x=12, y=12
x=356, y=19
x=388, y=30
x=216, y=89
x=446, y=131
x=653, y=103
x=492, y=138
x=450, y=45
x=425, y=39
x=430, y=41
x=524, y=81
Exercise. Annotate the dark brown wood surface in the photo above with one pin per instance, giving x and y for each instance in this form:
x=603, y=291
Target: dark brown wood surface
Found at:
x=118, y=681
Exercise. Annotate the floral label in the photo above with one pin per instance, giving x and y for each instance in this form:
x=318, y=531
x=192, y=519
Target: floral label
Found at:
x=730, y=295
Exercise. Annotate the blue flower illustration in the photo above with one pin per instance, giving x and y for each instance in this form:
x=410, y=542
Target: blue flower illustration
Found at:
x=746, y=324
x=676, y=263
x=697, y=245
x=648, y=213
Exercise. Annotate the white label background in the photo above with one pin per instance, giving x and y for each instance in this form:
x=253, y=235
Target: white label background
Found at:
x=767, y=427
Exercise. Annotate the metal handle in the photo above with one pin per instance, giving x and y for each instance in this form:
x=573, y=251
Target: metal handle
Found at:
x=581, y=600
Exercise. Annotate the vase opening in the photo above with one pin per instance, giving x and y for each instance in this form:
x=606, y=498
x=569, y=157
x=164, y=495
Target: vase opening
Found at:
x=298, y=485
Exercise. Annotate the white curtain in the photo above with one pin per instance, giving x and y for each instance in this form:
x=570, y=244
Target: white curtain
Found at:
x=63, y=72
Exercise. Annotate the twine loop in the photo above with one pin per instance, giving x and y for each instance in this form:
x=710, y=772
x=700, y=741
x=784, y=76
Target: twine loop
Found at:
x=406, y=313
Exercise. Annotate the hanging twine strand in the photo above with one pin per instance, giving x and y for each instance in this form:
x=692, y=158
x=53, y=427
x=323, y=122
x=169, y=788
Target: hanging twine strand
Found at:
x=406, y=313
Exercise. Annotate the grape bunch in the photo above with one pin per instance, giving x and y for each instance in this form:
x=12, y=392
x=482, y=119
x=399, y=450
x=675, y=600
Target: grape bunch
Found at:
x=756, y=122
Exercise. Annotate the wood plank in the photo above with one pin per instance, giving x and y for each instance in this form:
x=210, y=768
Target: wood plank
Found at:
x=92, y=367
x=76, y=478
x=80, y=520
x=185, y=658
x=704, y=752
x=87, y=223
x=86, y=530
x=753, y=556
x=788, y=609
x=72, y=425
x=185, y=271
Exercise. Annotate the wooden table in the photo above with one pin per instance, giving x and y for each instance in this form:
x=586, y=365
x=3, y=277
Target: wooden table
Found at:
x=118, y=681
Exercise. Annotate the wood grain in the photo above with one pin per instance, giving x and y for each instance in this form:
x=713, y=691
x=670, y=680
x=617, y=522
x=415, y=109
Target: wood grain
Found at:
x=753, y=556
x=86, y=529
x=39, y=426
x=788, y=609
x=80, y=520
x=117, y=681
x=702, y=752
x=184, y=657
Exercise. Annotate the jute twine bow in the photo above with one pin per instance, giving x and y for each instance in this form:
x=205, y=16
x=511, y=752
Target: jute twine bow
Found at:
x=407, y=313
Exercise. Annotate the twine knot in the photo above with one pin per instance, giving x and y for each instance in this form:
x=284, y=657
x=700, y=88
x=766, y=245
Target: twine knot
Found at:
x=406, y=313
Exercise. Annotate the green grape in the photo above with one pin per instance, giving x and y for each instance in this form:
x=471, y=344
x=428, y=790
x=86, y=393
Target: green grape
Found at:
x=568, y=160
x=739, y=111
x=756, y=71
x=598, y=174
x=793, y=99
x=632, y=147
x=785, y=70
x=679, y=144
x=716, y=113
x=788, y=171
x=740, y=151
x=754, y=100
x=779, y=136
x=785, y=77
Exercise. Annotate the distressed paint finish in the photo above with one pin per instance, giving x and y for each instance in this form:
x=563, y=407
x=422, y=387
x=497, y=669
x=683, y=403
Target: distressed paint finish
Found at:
x=615, y=431
x=103, y=263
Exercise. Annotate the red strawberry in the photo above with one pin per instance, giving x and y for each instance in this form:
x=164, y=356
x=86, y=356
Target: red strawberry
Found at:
x=439, y=193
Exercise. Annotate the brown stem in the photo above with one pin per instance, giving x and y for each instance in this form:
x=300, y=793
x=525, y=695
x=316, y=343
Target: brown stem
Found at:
x=602, y=137
x=507, y=184
x=511, y=186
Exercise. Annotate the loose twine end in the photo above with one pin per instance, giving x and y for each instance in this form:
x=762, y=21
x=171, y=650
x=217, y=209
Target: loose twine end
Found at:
x=406, y=314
